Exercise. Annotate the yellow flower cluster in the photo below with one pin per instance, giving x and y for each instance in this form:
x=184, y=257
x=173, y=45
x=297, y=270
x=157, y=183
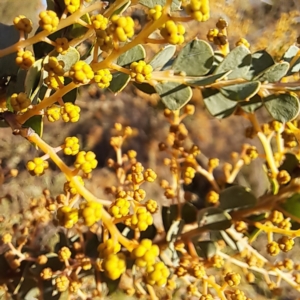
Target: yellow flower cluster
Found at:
x=198, y=270
x=198, y=9
x=152, y=206
x=54, y=66
x=62, y=283
x=62, y=45
x=81, y=73
x=19, y=101
x=86, y=161
x=46, y=274
x=108, y=247
x=70, y=112
x=48, y=20
x=71, y=146
x=72, y=5
x=140, y=71
x=212, y=197
x=37, y=166
x=114, y=265
x=286, y=243
x=122, y=28
x=141, y=219
x=173, y=33
x=139, y=195
x=273, y=248
x=103, y=78
x=99, y=22
x=67, y=216
x=53, y=113
x=232, y=278
x=25, y=59
x=70, y=187
x=188, y=174
x=150, y=175
x=64, y=254
x=23, y=24
x=91, y=212
x=158, y=274
x=120, y=208
x=54, y=82
x=283, y=177
x=145, y=254
x=155, y=12
x=104, y=40
x=276, y=216
x=244, y=42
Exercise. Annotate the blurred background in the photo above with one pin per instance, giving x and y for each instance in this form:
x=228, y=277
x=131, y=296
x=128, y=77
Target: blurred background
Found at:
x=271, y=25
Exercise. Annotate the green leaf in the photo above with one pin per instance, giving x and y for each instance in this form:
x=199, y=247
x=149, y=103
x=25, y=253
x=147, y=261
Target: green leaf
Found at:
x=274, y=186
x=213, y=218
x=205, y=249
x=273, y=73
x=218, y=105
x=228, y=240
x=25, y=284
x=149, y=233
x=34, y=80
x=261, y=60
x=236, y=197
x=206, y=80
x=162, y=57
x=119, y=82
x=176, y=5
x=72, y=95
x=41, y=49
x=9, y=35
x=112, y=285
x=288, y=57
x=282, y=107
x=88, y=53
x=16, y=84
x=168, y=254
x=252, y=105
x=91, y=244
x=33, y=293
x=174, y=231
x=173, y=95
x=145, y=87
x=77, y=30
x=120, y=10
x=195, y=59
x=241, y=91
x=36, y=123
x=62, y=296
x=218, y=58
x=292, y=88
x=292, y=205
x=238, y=60
x=188, y=213
x=69, y=58
x=134, y=54
x=56, y=5
x=290, y=163
x=9, y=107
x=169, y=214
